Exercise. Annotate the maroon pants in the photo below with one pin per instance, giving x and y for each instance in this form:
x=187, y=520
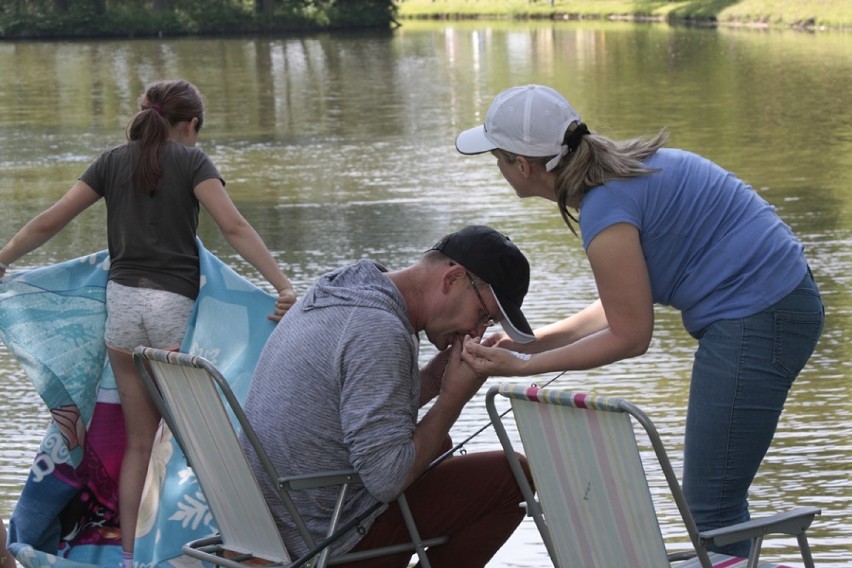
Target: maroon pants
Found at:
x=473, y=499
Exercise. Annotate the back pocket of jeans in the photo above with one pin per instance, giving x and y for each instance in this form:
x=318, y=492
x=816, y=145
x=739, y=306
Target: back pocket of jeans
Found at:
x=796, y=336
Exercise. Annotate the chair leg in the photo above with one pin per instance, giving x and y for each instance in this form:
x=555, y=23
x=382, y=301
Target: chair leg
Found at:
x=805, y=549
x=412, y=530
x=335, y=519
x=754, y=553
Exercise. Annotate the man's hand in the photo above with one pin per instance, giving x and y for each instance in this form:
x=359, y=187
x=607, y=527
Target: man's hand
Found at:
x=461, y=381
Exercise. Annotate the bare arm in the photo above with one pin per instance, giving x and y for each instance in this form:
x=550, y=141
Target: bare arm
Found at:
x=458, y=386
x=245, y=240
x=431, y=376
x=584, y=323
x=625, y=302
x=587, y=321
x=48, y=223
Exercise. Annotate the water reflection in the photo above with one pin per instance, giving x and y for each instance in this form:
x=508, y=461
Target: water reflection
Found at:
x=340, y=147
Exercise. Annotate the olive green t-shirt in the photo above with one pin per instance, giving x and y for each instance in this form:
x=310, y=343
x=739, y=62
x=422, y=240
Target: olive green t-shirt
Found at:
x=152, y=237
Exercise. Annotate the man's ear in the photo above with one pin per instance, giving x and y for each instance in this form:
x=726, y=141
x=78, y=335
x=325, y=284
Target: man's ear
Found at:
x=452, y=274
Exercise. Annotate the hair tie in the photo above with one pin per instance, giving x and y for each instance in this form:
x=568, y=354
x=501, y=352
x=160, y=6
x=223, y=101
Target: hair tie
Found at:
x=569, y=144
x=573, y=137
x=155, y=107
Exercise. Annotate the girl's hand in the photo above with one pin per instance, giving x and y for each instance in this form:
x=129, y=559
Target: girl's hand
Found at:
x=286, y=299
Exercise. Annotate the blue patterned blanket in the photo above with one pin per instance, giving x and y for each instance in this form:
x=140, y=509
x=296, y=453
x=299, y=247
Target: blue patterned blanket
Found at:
x=52, y=320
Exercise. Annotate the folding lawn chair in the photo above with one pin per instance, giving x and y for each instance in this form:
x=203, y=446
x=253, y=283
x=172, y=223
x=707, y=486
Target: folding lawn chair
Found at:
x=594, y=505
x=188, y=391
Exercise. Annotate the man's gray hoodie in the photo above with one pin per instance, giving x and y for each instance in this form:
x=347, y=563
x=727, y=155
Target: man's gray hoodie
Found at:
x=336, y=387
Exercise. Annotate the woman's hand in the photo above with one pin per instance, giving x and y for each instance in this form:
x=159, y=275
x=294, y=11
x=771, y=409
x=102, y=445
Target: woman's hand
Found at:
x=498, y=339
x=285, y=300
x=493, y=361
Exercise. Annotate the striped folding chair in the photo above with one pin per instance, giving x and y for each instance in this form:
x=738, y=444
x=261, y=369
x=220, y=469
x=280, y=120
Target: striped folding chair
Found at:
x=194, y=400
x=593, y=506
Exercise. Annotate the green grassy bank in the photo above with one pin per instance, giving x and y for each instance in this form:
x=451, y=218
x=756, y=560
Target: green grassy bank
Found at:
x=806, y=14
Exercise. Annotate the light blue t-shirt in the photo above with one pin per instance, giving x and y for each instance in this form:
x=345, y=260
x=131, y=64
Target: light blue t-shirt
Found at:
x=714, y=248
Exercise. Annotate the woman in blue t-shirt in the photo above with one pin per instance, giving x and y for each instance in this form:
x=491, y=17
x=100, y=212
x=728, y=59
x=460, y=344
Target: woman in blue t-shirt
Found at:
x=664, y=226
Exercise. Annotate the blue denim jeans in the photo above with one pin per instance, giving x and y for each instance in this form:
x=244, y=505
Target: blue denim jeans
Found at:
x=742, y=373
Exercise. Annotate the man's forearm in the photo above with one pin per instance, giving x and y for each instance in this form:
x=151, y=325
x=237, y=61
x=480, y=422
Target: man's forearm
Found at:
x=430, y=434
x=431, y=376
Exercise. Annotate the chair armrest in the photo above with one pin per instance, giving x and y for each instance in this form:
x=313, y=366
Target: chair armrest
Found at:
x=681, y=556
x=322, y=479
x=792, y=522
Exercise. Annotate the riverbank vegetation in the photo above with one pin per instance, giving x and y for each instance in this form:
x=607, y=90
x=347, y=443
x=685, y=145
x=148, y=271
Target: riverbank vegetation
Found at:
x=49, y=19
x=45, y=19
x=808, y=14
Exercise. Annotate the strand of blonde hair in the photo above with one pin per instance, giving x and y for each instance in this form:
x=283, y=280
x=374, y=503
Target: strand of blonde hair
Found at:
x=597, y=160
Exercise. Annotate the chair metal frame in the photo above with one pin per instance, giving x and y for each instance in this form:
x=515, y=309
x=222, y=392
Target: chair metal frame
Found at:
x=239, y=544
x=580, y=409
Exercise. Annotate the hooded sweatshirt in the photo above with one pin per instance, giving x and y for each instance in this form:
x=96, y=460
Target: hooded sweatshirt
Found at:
x=337, y=387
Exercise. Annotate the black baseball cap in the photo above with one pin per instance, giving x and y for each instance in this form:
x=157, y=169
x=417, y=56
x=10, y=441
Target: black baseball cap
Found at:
x=495, y=259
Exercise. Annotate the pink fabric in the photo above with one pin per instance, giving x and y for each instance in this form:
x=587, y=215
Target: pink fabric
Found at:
x=532, y=394
x=94, y=509
x=727, y=563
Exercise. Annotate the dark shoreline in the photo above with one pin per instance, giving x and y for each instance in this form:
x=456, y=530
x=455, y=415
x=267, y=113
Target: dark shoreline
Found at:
x=809, y=25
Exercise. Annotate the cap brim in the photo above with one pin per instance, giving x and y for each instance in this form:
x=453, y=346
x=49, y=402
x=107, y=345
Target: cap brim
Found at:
x=514, y=323
x=474, y=141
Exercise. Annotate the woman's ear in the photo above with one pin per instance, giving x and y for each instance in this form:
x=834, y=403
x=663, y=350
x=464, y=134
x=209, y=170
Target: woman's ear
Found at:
x=524, y=165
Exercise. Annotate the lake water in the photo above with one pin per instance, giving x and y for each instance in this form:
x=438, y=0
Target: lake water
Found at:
x=339, y=147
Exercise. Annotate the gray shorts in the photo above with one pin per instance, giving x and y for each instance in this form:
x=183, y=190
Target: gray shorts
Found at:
x=142, y=316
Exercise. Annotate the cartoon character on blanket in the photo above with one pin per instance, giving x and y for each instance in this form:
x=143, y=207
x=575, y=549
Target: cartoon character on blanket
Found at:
x=51, y=321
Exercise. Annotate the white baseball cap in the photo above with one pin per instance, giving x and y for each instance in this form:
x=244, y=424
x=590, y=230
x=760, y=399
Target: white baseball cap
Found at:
x=529, y=120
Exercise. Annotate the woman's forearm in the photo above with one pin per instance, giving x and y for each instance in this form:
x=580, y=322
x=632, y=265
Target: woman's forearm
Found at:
x=584, y=323
x=596, y=350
